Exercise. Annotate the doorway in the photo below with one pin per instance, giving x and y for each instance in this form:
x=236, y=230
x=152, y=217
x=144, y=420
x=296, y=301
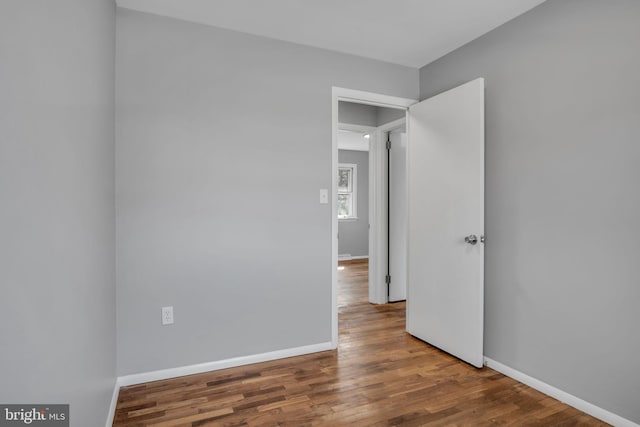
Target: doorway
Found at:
x=445, y=194
x=367, y=132
x=387, y=109
x=353, y=188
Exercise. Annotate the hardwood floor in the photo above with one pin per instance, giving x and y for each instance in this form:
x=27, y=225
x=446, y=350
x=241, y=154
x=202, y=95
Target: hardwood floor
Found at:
x=380, y=376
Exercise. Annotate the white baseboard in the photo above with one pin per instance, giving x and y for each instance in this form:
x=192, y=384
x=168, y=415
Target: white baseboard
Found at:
x=181, y=371
x=569, y=399
x=114, y=402
x=349, y=257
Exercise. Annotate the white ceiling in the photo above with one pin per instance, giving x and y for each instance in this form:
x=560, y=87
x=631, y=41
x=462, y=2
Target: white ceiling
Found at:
x=406, y=32
x=349, y=140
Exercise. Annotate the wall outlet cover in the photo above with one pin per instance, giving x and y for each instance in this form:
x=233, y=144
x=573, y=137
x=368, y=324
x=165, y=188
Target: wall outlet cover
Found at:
x=167, y=315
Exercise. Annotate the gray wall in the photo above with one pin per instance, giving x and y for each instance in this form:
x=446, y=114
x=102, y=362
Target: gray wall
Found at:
x=562, y=199
x=367, y=115
x=357, y=114
x=223, y=142
x=57, y=215
x=386, y=115
x=354, y=233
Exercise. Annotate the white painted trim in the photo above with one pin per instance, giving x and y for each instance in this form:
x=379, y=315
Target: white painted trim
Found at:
x=378, y=213
x=361, y=97
x=114, y=403
x=563, y=396
x=356, y=128
x=335, y=93
x=370, y=98
x=376, y=191
x=181, y=371
x=354, y=190
x=349, y=257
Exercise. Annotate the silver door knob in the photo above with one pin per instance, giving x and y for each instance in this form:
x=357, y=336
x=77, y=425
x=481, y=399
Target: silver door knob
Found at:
x=471, y=239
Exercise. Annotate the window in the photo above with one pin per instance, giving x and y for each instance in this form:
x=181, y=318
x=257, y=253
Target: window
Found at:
x=347, y=196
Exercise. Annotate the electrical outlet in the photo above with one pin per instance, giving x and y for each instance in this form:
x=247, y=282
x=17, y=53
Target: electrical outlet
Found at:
x=167, y=315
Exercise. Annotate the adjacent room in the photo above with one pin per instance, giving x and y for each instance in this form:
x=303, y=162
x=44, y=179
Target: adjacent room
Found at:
x=249, y=212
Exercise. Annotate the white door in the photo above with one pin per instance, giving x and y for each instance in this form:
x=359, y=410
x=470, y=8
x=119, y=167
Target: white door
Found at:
x=398, y=216
x=445, y=304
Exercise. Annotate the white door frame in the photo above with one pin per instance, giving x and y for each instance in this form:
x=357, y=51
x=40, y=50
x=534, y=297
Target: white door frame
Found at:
x=361, y=97
x=378, y=244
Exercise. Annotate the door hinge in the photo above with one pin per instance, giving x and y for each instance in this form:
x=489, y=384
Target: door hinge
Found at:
x=388, y=144
x=387, y=279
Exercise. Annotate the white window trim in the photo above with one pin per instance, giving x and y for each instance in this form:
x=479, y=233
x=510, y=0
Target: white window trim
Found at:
x=354, y=191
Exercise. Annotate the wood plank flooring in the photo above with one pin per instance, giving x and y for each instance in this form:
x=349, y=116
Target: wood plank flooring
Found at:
x=380, y=376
